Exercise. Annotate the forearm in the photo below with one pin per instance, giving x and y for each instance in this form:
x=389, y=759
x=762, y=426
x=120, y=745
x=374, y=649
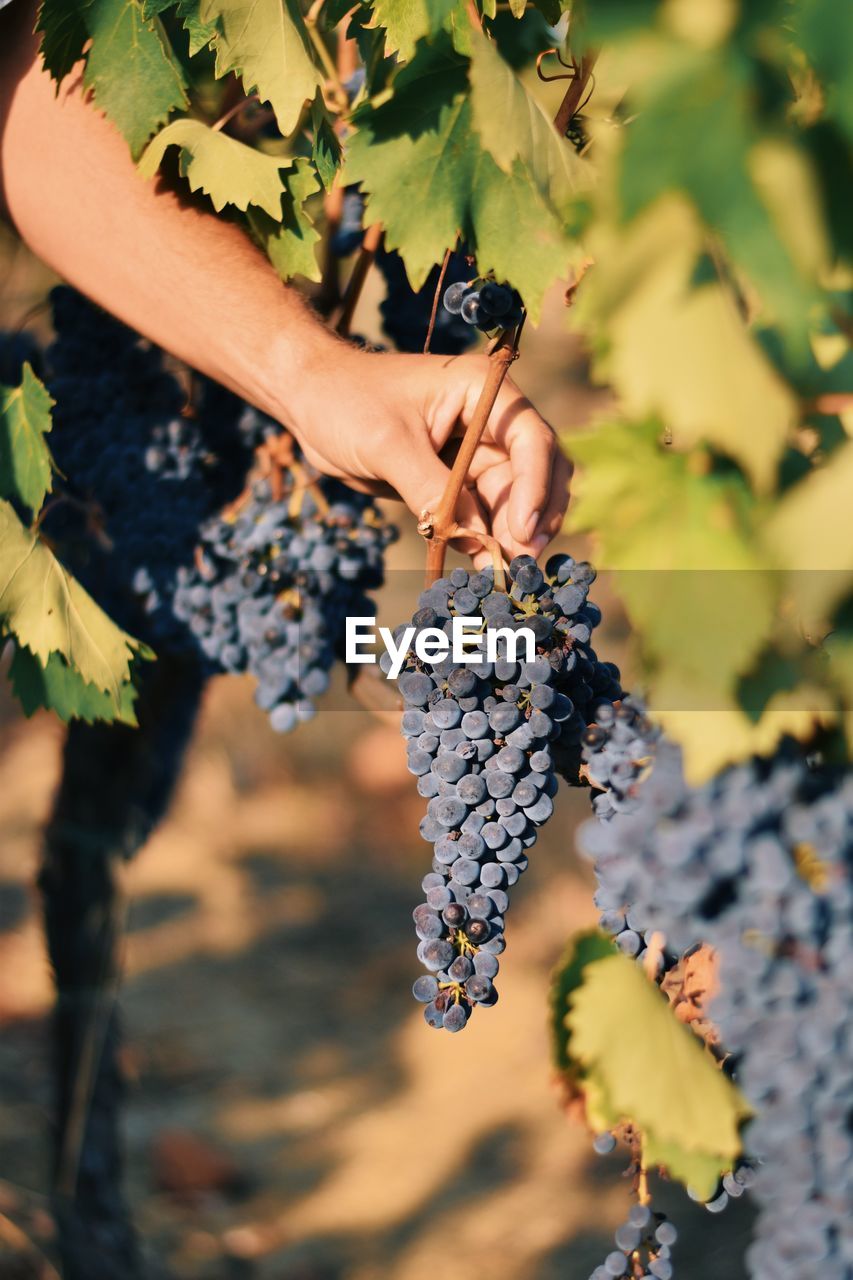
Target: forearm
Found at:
x=186, y=279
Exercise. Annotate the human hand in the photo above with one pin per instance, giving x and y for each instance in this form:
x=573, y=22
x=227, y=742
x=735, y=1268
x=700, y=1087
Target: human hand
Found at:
x=385, y=423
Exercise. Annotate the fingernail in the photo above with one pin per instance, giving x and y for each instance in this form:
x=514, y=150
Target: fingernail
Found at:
x=539, y=544
x=530, y=527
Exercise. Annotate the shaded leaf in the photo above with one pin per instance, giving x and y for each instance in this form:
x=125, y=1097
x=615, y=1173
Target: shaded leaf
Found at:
x=59, y=688
x=64, y=35
x=582, y=950
x=825, y=29
x=226, y=170
x=266, y=44
x=135, y=77
x=25, y=462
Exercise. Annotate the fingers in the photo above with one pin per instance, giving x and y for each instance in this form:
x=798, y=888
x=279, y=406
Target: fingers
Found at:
x=420, y=478
x=533, y=452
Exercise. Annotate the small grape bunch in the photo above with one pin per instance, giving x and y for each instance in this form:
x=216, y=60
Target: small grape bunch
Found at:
x=643, y=1248
x=485, y=304
x=577, y=134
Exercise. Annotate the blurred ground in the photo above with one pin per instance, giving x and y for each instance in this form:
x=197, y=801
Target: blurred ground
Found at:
x=290, y=1115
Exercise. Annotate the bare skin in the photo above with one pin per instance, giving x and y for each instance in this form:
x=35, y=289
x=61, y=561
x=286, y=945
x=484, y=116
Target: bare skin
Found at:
x=196, y=286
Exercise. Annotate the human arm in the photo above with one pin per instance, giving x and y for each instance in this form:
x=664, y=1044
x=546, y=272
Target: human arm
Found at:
x=194, y=284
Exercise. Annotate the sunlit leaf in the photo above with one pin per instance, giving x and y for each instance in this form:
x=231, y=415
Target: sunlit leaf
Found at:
x=266, y=44
x=652, y=1070
x=47, y=610
x=225, y=169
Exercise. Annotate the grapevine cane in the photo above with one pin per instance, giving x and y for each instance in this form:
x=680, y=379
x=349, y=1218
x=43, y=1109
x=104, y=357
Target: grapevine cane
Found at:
x=355, y=284
x=439, y=526
x=574, y=94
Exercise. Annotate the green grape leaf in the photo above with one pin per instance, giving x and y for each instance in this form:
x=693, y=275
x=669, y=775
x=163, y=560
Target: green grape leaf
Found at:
x=131, y=69
x=25, y=461
x=513, y=127
x=201, y=34
x=326, y=147
x=59, y=688
x=825, y=30
x=47, y=610
x=266, y=43
x=290, y=242
x=405, y=22
x=583, y=949
x=225, y=169
x=682, y=541
x=694, y=94
x=647, y=1067
x=422, y=141
x=676, y=344
x=64, y=35
x=552, y=10
x=811, y=534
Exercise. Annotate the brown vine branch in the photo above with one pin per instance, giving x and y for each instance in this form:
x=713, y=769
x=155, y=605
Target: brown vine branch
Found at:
x=575, y=92
x=233, y=111
x=436, y=300
x=439, y=527
x=343, y=317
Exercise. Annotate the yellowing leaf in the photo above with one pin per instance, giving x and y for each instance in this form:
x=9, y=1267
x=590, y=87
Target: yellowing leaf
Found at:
x=135, y=77
x=266, y=44
x=648, y=1068
x=47, y=610
x=25, y=463
x=679, y=348
x=811, y=534
x=681, y=541
x=712, y=738
x=225, y=169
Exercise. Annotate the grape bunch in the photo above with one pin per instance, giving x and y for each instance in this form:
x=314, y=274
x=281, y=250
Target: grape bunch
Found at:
x=757, y=864
x=643, y=1248
x=406, y=314
x=577, y=134
x=618, y=751
x=485, y=741
x=158, y=521
x=273, y=581
x=139, y=478
x=486, y=305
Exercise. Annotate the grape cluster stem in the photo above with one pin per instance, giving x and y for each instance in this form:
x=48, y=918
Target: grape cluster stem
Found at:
x=439, y=527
